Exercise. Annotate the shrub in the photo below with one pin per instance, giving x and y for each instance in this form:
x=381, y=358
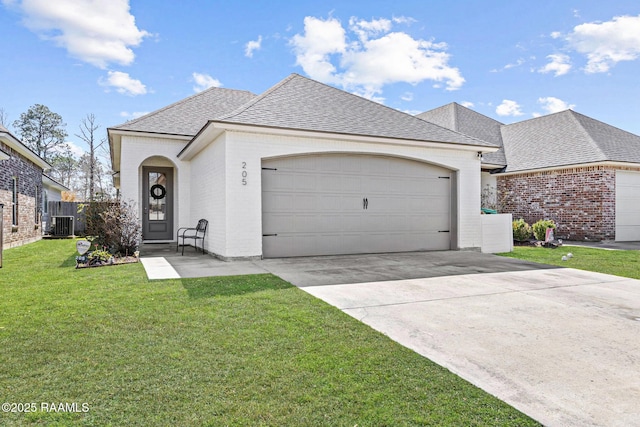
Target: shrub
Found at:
x=540, y=228
x=113, y=225
x=521, y=230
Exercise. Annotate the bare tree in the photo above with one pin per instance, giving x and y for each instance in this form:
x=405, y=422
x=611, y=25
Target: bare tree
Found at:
x=88, y=128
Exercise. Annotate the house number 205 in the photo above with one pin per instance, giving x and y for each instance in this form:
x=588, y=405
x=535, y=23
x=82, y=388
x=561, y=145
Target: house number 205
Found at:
x=244, y=173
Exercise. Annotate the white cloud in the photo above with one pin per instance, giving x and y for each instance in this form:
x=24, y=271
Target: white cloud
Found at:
x=365, y=29
x=518, y=63
x=204, y=81
x=134, y=115
x=607, y=43
x=375, y=58
x=98, y=32
x=509, y=108
x=403, y=20
x=123, y=83
x=556, y=35
x=251, y=46
x=407, y=96
x=321, y=39
x=552, y=105
x=559, y=64
x=467, y=104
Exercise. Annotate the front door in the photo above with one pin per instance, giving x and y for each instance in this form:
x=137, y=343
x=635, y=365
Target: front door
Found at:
x=157, y=202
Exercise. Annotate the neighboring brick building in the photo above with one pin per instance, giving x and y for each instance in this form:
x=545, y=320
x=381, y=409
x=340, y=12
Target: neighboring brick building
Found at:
x=20, y=191
x=582, y=173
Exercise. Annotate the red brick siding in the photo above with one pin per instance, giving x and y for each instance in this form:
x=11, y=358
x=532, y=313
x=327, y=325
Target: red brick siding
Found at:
x=580, y=200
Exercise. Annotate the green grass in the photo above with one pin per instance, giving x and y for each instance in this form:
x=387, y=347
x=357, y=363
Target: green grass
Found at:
x=618, y=263
x=245, y=350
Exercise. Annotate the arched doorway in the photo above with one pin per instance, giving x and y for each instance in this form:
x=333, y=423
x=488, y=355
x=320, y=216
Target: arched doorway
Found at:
x=157, y=203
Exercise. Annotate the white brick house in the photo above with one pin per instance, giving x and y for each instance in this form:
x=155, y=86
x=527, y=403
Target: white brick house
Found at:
x=303, y=169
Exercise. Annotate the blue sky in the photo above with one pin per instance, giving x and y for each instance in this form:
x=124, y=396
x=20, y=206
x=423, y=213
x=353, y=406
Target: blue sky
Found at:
x=510, y=60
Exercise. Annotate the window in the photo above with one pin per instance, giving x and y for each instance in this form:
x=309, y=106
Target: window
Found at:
x=14, y=202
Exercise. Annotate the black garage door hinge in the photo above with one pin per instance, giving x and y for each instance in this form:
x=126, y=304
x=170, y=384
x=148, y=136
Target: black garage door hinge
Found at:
x=269, y=235
x=269, y=169
x=443, y=231
x=444, y=177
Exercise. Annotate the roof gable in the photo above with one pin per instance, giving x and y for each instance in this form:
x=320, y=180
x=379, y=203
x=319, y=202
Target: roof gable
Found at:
x=189, y=115
x=462, y=119
x=304, y=104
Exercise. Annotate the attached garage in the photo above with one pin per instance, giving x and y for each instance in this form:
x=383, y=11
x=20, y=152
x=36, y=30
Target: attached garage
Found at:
x=627, y=206
x=330, y=204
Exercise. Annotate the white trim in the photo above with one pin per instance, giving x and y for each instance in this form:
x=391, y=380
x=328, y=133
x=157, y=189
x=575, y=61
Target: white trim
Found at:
x=51, y=183
x=213, y=129
x=22, y=149
x=573, y=166
x=120, y=132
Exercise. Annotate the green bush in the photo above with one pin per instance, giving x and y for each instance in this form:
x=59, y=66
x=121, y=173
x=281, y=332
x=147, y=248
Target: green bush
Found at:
x=540, y=228
x=521, y=230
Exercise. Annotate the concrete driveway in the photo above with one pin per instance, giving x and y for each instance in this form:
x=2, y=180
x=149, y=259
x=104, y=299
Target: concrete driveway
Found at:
x=561, y=345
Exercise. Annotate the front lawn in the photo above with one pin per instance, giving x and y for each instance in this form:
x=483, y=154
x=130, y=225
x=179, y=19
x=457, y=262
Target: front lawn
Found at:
x=245, y=350
x=618, y=263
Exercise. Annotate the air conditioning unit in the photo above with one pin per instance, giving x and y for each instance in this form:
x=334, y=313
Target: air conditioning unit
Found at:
x=62, y=226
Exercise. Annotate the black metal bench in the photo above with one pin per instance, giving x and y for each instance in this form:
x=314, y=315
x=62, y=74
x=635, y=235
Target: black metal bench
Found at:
x=196, y=233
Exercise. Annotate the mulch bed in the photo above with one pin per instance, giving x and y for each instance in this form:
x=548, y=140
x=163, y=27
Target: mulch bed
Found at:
x=116, y=261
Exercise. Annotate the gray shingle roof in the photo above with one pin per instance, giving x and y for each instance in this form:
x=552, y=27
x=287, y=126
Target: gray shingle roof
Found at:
x=566, y=138
x=461, y=119
x=188, y=116
x=304, y=104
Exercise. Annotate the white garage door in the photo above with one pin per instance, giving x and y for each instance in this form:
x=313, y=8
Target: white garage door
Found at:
x=348, y=204
x=627, y=206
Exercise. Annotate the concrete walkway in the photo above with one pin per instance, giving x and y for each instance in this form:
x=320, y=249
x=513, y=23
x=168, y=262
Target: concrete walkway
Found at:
x=559, y=344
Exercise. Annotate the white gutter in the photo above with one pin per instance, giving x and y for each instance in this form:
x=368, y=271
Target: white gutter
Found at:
x=214, y=129
x=573, y=166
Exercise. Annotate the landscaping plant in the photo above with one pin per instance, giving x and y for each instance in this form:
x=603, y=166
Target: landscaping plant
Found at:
x=114, y=225
x=540, y=228
x=521, y=230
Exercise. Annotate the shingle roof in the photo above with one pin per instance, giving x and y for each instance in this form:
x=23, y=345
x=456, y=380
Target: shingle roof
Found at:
x=304, y=104
x=566, y=138
x=188, y=116
x=461, y=119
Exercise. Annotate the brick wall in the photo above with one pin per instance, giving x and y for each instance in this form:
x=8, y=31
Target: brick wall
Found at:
x=580, y=200
x=29, y=185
